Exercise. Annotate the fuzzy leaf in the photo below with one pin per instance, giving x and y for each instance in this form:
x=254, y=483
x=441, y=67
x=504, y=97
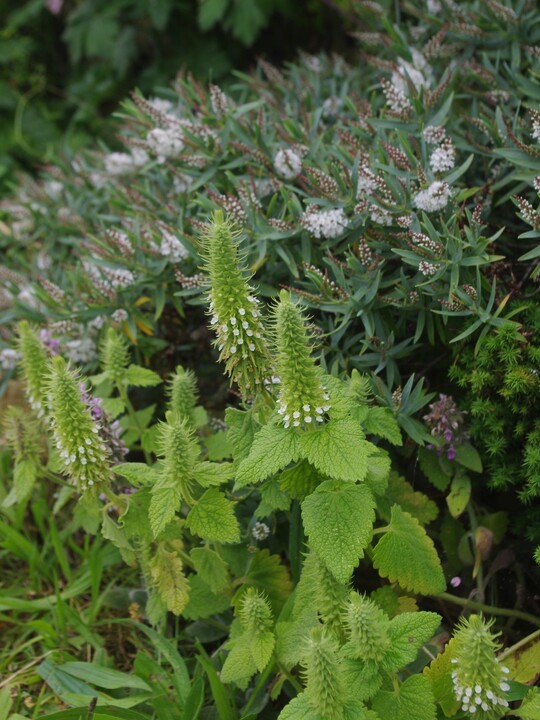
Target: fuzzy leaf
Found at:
x=137, y=473
x=408, y=632
x=202, y=601
x=261, y=648
x=219, y=446
x=530, y=707
x=338, y=519
x=272, y=499
x=213, y=473
x=380, y=421
x=267, y=575
x=141, y=377
x=364, y=678
x=405, y=554
x=300, y=480
x=378, y=469
x=338, y=450
x=273, y=449
x=118, y=536
x=299, y=709
x=469, y=457
x=439, y=674
x=240, y=433
x=238, y=666
x=164, y=503
x=113, y=407
x=414, y=699
x=401, y=493
x=24, y=478
x=212, y=518
x=168, y=577
x=292, y=634
x=211, y=568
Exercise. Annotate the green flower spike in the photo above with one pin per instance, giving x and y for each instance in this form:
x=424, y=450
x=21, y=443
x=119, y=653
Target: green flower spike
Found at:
x=34, y=365
x=325, y=689
x=183, y=394
x=479, y=680
x=180, y=454
x=366, y=626
x=115, y=356
x=303, y=400
x=76, y=433
x=255, y=613
x=233, y=308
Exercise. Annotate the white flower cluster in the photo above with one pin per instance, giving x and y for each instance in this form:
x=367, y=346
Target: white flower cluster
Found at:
x=327, y=224
x=118, y=163
x=108, y=279
x=238, y=331
x=161, y=105
x=165, y=143
x=433, y=198
x=367, y=181
x=303, y=413
x=9, y=358
x=119, y=315
x=535, y=132
x=434, y=134
x=83, y=350
x=418, y=72
x=288, y=164
x=331, y=106
x=379, y=215
x=476, y=698
x=172, y=248
x=260, y=531
x=443, y=158
x=536, y=183
x=428, y=269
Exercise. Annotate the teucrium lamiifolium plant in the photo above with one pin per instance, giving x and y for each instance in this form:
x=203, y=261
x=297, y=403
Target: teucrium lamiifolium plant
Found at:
x=268, y=527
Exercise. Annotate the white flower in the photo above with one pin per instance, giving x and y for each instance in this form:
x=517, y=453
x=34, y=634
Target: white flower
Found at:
x=433, y=198
x=83, y=350
x=325, y=223
x=288, y=164
x=182, y=183
x=260, y=531
x=9, y=359
x=428, y=269
x=165, y=143
x=535, y=132
x=54, y=188
x=433, y=7
x=444, y=157
x=418, y=72
x=379, y=215
x=172, y=248
x=119, y=315
x=367, y=181
x=434, y=134
x=161, y=105
x=331, y=106
x=117, y=163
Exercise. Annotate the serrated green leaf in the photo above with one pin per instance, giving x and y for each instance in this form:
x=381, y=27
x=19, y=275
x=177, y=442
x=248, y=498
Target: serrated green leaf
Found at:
x=219, y=446
x=202, y=601
x=300, y=480
x=530, y=707
x=274, y=447
x=24, y=479
x=165, y=502
x=211, y=568
x=212, y=518
x=380, y=421
x=338, y=450
x=291, y=636
x=166, y=571
x=141, y=377
x=211, y=473
x=414, y=699
x=524, y=663
x=113, y=407
x=118, y=536
x=272, y=499
x=267, y=575
x=379, y=465
x=439, y=675
x=408, y=632
x=432, y=469
x=241, y=432
x=238, y=667
x=400, y=492
x=137, y=473
x=405, y=554
x=135, y=519
x=338, y=518
x=364, y=678
x=459, y=495
x=299, y=709
x=261, y=648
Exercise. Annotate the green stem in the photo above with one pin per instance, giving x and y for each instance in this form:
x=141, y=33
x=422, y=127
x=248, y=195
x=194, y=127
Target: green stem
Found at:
x=261, y=682
x=491, y=609
x=525, y=641
x=293, y=681
x=113, y=497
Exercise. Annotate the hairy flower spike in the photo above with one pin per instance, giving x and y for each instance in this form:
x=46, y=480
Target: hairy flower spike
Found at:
x=76, y=433
x=303, y=400
x=235, y=316
x=479, y=680
x=183, y=394
x=115, y=355
x=34, y=366
x=324, y=683
x=255, y=612
x=366, y=626
x=180, y=453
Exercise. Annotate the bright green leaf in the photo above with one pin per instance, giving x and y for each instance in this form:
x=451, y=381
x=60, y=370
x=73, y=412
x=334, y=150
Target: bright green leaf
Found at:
x=212, y=518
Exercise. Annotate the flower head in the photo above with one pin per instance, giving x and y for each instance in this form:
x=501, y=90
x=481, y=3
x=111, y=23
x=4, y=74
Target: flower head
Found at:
x=480, y=681
x=433, y=198
x=325, y=223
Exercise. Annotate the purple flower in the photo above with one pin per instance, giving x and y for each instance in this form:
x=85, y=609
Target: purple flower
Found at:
x=451, y=453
